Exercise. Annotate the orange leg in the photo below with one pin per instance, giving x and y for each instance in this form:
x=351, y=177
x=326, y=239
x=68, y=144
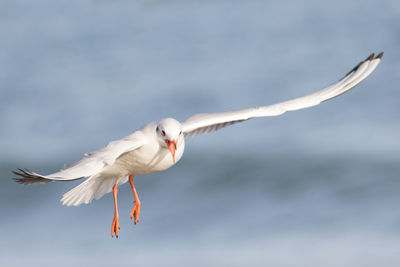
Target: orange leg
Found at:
x=115, y=224
x=136, y=208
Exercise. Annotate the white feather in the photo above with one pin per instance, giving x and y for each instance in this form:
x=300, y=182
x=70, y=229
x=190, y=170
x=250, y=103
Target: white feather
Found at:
x=145, y=151
x=203, y=123
x=95, y=162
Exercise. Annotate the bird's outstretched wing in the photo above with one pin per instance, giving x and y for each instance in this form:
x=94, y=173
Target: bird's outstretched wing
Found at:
x=89, y=165
x=205, y=123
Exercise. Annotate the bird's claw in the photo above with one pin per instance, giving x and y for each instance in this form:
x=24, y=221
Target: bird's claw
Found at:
x=135, y=212
x=115, y=227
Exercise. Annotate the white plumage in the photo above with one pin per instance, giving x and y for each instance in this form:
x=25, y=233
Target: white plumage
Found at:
x=148, y=149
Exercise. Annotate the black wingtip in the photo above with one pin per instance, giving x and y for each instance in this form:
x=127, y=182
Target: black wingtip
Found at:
x=380, y=55
x=18, y=180
x=369, y=58
x=27, y=177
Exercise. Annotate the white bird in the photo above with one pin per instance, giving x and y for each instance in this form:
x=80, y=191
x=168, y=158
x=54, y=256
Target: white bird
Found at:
x=147, y=149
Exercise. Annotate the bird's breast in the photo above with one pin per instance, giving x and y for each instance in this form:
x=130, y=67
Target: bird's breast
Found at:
x=149, y=158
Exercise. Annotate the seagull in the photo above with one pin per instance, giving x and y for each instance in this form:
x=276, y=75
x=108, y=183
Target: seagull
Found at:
x=159, y=145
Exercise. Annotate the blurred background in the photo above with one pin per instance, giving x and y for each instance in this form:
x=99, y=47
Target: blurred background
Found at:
x=316, y=187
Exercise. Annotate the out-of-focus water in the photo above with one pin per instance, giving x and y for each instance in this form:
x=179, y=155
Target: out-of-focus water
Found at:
x=317, y=187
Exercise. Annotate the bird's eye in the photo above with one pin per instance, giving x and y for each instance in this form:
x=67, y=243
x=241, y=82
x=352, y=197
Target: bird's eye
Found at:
x=163, y=133
x=180, y=132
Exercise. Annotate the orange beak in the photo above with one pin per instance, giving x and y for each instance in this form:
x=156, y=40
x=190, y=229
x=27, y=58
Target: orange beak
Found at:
x=172, y=147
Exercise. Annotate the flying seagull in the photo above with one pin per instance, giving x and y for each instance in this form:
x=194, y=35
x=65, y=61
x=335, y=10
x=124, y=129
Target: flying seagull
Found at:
x=159, y=145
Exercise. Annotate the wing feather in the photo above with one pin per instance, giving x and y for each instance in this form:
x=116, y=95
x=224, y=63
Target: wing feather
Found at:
x=209, y=122
x=90, y=164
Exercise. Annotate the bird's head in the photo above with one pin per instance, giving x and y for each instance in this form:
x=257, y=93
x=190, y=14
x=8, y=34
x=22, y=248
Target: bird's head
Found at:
x=168, y=132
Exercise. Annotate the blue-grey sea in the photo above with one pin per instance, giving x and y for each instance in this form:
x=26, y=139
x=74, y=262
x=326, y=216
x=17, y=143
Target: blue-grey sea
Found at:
x=316, y=187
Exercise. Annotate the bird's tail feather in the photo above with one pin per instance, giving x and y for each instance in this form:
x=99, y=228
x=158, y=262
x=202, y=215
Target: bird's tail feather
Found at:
x=95, y=186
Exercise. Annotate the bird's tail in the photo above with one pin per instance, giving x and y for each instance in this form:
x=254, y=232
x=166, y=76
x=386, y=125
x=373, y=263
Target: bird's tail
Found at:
x=95, y=186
